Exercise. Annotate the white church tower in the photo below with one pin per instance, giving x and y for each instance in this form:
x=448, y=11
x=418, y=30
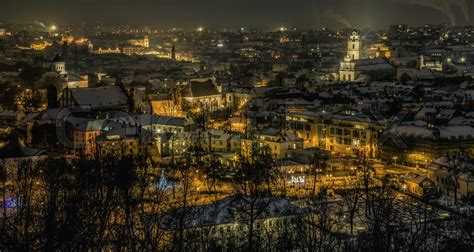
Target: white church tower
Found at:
x=347, y=70
x=354, y=46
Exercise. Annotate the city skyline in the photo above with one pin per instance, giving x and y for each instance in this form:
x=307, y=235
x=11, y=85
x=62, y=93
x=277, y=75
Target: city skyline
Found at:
x=179, y=125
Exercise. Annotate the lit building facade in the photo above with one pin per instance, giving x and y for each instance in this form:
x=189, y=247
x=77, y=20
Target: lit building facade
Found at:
x=339, y=134
x=108, y=51
x=131, y=50
x=281, y=144
x=145, y=42
x=379, y=50
x=118, y=146
x=452, y=174
x=354, y=46
x=166, y=107
x=203, y=93
x=347, y=71
x=354, y=68
x=84, y=142
x=419, y=146
x=429, y=63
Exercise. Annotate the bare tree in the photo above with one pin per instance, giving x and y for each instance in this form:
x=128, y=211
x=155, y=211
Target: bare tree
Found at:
x=319, y=226
x=382, y=219
x=252, y=189
x=19, y=227
x=351, y=199
x=318, y=166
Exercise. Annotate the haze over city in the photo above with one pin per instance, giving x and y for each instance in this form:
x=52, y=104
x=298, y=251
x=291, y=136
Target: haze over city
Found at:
x=228, y=13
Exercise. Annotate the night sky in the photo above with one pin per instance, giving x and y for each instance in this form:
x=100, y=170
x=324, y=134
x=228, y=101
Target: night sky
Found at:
x=270, y=14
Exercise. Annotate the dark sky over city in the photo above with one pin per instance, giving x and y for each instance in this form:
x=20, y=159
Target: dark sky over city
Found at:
x=189, y=14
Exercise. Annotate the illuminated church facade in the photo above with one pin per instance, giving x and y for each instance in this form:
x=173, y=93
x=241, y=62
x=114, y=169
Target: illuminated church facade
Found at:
x=354, y=68
x=347, y=70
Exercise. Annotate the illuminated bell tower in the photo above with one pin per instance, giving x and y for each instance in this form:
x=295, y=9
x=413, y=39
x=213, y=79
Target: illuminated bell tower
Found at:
x=354, y=46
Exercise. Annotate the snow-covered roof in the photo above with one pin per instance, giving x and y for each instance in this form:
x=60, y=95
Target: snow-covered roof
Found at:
x=449, y=132
x=200, y=88
x=86, y=124
x=48, y=114
x=458, y=121
x=100, y=97
x=446, y=113
x=448, y=163
x=9, y=113
x=227, y=211
x=426, y=111
x=416, y=178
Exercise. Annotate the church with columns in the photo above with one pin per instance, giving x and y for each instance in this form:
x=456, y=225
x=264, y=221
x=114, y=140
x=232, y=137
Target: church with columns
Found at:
x=354, y=68
x=347, y=71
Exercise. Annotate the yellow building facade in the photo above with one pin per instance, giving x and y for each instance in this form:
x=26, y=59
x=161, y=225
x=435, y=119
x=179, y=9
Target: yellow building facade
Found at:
x=339, y=134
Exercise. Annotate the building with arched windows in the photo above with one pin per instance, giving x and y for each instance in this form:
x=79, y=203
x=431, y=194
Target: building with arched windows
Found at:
x=347, y=70
x=353, y=68
x=354, y=46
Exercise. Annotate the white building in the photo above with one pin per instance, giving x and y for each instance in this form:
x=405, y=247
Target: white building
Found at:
x=347, y=71
x=58, y=65
x=354, y=46
x=355, y=68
